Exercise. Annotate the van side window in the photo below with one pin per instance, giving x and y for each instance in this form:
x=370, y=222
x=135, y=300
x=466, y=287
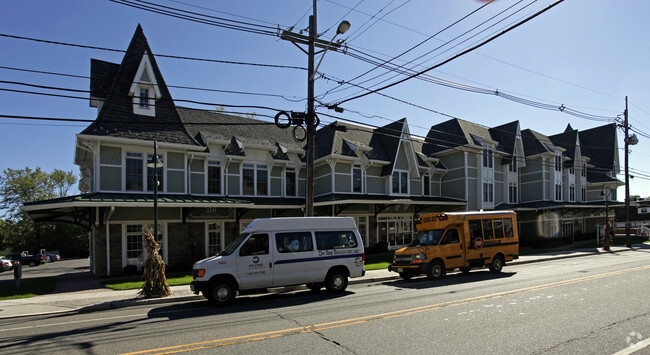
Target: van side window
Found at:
x=294, y=242
x=258, y=244
x=335, y=240
x=475, y=230
x=507, y=226
x=498, y=228
x=488, y=233
x=451, y=237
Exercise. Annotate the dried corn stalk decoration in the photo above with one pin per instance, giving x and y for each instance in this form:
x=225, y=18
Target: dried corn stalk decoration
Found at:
x=155, y=283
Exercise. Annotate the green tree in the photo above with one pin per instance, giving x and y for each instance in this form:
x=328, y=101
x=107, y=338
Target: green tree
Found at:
x=20, y=186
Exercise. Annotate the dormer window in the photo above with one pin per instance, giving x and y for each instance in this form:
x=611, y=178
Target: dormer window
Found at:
x=144, y=89
x=144, y=97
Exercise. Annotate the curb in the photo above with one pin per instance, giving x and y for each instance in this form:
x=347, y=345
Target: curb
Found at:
x=356, y=281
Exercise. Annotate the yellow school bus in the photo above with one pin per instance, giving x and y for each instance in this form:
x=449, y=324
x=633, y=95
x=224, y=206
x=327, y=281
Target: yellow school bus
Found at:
x=459, y=240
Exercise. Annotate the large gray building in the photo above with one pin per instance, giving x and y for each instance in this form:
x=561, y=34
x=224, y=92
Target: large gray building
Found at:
x=221, y=172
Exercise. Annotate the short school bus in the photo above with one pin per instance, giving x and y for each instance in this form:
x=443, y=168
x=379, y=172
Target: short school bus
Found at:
x=459, y=240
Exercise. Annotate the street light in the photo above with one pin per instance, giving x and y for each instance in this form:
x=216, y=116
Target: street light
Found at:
x=311, y=120
x=606, y=192
x=155, y=163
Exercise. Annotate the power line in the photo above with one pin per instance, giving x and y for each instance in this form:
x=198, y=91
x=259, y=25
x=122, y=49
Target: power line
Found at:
x=455, y=56
x=156, y=55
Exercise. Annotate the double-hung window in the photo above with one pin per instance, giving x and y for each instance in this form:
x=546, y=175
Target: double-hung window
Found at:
x=488, y=158
x=134, y=171
x=400, y=182
x=255, y=179
x=512, y=193
x=290, y=182
x=357, y=179
x=488, y=191
x=214, y=178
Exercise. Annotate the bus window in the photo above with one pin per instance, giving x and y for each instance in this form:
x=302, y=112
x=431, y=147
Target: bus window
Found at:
x=498, y=228
x=451, y=237
x=475, y=230
x=507, y=226
x=488, y=233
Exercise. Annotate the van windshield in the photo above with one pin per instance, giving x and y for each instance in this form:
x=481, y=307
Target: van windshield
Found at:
x=233, y=245
x=431, y=237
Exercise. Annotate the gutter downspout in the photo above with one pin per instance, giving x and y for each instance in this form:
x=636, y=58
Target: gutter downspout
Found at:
x=108, y=241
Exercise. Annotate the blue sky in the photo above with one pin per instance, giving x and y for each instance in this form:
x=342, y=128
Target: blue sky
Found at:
x=587, y=55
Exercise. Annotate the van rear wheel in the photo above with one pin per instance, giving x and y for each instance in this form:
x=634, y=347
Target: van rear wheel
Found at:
x=497, y=264
x=436, y=270
x=222, y=292
x=336, y=281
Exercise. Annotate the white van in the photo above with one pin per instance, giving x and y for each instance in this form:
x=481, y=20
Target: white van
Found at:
x=274, y=252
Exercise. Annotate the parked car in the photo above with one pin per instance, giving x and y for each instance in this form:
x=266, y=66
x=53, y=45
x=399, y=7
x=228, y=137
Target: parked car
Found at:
x=53, y=255
x=26, y=259
x=5, y=264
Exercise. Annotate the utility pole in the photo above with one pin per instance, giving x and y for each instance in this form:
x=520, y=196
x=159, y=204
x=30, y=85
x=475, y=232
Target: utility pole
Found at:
x=627, y=180
x=311, y=119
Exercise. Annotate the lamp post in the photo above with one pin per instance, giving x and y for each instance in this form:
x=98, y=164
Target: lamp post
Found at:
x=155, y=163
x=606, y=192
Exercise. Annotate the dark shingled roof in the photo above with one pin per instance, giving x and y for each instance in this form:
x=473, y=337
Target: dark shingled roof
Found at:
x=453, y=133
x=217, y=125
x=506, y=136
x=116, y=117
x=535, y=143
x=599, y=144
x=567, y=140
x=101, y=77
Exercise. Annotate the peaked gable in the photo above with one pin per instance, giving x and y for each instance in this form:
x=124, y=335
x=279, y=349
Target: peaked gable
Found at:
x=117, y=118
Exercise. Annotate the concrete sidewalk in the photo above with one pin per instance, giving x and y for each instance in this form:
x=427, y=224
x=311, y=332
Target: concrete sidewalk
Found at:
x=102, y=299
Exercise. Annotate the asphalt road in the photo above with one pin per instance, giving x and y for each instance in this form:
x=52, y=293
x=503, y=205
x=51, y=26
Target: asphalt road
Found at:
x=593, y=305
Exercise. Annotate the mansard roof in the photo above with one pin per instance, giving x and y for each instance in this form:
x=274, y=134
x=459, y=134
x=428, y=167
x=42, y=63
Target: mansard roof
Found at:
x=116, y=118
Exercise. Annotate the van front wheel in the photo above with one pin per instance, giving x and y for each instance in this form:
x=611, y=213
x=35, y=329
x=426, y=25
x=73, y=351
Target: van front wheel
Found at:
x=222, y=292
x=336, y=281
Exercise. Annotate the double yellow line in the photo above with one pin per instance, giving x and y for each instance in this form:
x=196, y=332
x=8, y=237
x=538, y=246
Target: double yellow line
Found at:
x=375, y=317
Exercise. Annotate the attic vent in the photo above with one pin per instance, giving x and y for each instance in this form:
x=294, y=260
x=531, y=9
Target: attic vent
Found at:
x=145, y=77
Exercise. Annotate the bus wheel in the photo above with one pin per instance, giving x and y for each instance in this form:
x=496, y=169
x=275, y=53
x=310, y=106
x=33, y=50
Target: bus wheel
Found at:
x=497, y=264
x=405, y=276
x=436, y=271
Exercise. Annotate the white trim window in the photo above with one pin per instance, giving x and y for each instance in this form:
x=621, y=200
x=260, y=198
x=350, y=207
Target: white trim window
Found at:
x=512, y=167
x=214, y=178
x=583, y=193
x=558, y=163
x=290, y=181
x=357, y=179
x=213, y=237
x=572, y=193
x=134, y=171
x=255, y=179
x=134, y=245
x=426, y=185
x=488, y=158
x=400, y=182
x=558, y=191
x=512, y=193
x=144, y=89
x=488, y=191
